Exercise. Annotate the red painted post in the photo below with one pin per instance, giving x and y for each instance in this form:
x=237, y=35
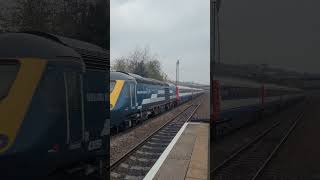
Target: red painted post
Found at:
x=177, y=93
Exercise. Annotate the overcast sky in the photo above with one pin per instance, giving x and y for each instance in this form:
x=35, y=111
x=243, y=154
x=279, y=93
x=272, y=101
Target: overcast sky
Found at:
x=284, y=33
x=173, y=29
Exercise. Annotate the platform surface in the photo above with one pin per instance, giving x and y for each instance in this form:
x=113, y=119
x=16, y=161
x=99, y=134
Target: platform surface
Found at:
x=188, y=159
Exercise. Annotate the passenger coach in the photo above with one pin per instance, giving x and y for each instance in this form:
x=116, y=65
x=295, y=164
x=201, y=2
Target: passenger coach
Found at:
x=239, y=101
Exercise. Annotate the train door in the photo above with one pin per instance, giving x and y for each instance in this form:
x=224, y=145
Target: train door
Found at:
x=74, y=105
x=133, y=95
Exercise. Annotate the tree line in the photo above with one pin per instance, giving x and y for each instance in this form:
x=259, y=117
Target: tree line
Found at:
x=84, y=20
x=142, y=62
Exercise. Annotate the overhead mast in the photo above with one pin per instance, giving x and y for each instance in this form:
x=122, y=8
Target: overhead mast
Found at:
x=177, y=72
x=177, y=79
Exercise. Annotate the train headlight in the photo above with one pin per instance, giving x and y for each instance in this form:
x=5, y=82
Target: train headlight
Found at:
x=4, y=140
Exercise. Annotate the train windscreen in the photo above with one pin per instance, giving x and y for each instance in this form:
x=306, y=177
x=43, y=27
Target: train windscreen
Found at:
x=8, y=73
x=112, y=84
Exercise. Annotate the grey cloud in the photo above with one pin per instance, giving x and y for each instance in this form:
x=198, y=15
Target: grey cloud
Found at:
x=174, y=29
x=282, y=33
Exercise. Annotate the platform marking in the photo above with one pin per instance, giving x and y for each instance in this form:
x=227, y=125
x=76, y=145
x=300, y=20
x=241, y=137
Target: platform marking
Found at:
x=153, y=171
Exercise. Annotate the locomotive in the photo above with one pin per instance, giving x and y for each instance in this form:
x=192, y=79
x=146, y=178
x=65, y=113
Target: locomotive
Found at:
x=134, y=98
x=53, y=105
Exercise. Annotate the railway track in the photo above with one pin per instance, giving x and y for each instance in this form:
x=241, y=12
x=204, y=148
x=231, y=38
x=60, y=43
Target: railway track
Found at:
x=249, y=161
x=139, y=160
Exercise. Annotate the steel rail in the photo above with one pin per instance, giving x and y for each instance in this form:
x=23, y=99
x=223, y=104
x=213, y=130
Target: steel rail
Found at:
x=244, y=147
x=142, y=142
x=247, y=145
x=284, y=138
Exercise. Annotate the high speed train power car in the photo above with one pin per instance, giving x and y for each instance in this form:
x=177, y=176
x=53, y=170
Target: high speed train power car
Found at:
x=238, y=101
x=52, y=106
x=134, y=98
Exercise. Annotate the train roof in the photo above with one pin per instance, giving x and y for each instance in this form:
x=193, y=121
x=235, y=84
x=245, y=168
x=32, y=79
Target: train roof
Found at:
x=77, y=44
x=190, y=88
x=227, y=81
x=49, y=46
x=15, y=45
x=94, y=57
x=154, y=81
x=119, y=75
x=171, y=84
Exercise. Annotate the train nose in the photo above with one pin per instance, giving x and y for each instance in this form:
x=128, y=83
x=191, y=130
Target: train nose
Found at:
x=4, y=140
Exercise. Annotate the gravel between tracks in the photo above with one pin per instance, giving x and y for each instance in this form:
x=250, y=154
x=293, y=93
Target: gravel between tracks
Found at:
x=120, y=144
x=203, y=112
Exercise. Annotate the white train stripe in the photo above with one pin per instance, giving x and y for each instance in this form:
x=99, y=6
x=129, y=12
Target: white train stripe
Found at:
x=152, y=100
x=160, y=91
x=173, y=97
x=155, y=97
x=184, y=94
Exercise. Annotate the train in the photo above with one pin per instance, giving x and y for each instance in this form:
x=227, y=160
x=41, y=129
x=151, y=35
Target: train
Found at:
x=134, y=98
x=53, y=106
x=237, y=102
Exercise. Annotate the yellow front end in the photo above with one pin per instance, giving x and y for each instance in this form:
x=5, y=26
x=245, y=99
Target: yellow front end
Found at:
x=15, y=102
x=115, y=90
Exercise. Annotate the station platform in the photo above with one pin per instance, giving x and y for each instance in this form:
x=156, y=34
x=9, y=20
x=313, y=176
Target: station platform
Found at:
x=186, y=157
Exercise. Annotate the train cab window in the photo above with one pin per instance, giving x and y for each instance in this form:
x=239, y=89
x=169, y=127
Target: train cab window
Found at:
x=112, y=84
x=8, y=73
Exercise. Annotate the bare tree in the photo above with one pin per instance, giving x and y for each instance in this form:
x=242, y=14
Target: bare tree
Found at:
x=80, y=19
x=142, y=62
x=121, y=64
